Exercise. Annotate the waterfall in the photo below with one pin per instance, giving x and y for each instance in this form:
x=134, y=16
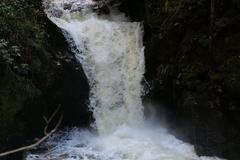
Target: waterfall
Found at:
x=110, y=50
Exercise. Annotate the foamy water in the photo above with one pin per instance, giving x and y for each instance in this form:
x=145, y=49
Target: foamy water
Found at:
x=126, y=143
x=110, y=49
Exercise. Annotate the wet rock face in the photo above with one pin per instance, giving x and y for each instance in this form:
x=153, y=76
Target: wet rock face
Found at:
x=132, y=8
x=78, y=5
x=99, y=6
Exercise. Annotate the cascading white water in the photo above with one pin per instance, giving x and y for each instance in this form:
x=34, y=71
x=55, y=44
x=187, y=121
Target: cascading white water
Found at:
x=111, y=53
x=110, y=49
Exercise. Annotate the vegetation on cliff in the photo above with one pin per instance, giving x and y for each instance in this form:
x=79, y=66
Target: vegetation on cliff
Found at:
x=34, y=60
x=23, y=55
x=192, y=50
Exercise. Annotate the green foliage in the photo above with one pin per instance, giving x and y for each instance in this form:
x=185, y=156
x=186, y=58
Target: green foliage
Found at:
x=14, y=92
x=8, y=53
x=23, y=44
x=165, y=71
x=12, y=12
x=22, y=31
x=179, y=44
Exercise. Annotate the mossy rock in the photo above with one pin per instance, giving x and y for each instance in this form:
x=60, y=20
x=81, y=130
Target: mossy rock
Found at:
x=15, y=92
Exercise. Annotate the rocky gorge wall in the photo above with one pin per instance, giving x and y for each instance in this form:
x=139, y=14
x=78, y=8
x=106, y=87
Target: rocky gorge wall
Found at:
x=197, y=85
x=38, y=73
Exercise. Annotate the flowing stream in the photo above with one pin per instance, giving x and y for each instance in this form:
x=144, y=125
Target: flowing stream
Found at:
x=110, y=49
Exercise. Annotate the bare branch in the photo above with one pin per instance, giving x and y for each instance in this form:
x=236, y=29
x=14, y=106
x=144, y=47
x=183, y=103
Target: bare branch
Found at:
x=45, y=119
x=29, y=147
x=54, y=114
x=48, y=121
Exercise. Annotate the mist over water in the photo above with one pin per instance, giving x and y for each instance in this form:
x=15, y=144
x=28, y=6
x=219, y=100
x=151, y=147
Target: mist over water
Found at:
x=110, y=49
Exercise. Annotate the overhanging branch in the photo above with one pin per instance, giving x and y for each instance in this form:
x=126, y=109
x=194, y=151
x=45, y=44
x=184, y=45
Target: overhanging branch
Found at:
x=47, y=135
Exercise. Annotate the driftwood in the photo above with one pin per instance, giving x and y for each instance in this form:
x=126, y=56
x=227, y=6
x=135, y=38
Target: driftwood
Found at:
x=47, y=135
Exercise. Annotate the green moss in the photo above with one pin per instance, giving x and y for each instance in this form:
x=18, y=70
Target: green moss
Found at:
x=15, y=91
x=165, y=71
x=203, y=40
x=24, y=25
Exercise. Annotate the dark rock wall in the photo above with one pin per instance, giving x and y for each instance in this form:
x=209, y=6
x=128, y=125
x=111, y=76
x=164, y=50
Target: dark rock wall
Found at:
x=199, y=89
x=42, y=77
